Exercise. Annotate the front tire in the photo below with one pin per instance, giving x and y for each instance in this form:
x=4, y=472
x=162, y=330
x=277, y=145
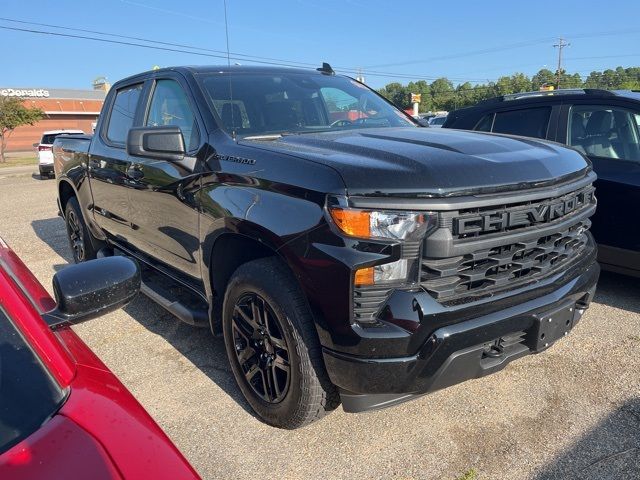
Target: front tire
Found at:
x=273, y=347
x=77, y=233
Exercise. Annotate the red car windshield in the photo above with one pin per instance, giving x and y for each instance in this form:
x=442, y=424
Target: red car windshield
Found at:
x=28, y=394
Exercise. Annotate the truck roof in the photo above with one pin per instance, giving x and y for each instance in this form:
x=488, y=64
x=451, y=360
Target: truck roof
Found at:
x=203, y=69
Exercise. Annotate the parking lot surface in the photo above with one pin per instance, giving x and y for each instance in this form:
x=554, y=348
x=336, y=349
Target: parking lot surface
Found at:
x=570, y=413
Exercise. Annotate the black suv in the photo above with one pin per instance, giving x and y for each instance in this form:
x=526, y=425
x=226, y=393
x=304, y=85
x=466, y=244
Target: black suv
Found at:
x=604, y=126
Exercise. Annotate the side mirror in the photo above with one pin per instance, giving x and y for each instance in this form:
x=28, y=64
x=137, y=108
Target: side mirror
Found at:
x=162, y=143
x=90, y=289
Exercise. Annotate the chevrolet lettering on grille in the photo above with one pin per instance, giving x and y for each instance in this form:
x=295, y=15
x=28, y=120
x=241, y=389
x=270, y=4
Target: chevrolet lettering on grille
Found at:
x=541, y=213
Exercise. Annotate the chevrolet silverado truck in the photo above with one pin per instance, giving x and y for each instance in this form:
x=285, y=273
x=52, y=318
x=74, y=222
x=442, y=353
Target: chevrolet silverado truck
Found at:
x=346, y=254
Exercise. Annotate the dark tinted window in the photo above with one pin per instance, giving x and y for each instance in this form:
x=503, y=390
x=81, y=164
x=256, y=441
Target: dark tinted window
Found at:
x=28, y=395
x=485, y=124
x=49, y=139
x=603, y=131
x=123, y=113
x=170, y=106
x=529, y=122
x=253, y=104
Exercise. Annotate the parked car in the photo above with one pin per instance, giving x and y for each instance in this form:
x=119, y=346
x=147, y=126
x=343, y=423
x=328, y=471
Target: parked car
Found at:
x=45, y=154
x=604, y=126
x=361, y=259
x=63, y=414
x=437, y=121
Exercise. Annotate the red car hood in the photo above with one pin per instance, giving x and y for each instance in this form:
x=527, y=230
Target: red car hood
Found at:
x=60, y=449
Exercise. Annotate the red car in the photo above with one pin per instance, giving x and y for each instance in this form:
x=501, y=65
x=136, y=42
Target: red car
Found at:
x=63, y=413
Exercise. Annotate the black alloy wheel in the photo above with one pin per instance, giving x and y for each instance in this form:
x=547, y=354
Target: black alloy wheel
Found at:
x=261, y=347
x=76, y=238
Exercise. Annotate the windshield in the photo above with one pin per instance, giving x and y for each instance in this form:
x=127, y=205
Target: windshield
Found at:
x=254, y=104
x=49, y=138
x=28, y=394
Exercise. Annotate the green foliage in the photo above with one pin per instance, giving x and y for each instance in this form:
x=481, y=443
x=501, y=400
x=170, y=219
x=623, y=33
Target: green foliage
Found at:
x=442, y=95
x=12, y=115
x=470, y=474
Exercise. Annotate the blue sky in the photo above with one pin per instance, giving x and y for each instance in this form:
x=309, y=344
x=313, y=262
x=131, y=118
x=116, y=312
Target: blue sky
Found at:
x=463, y=40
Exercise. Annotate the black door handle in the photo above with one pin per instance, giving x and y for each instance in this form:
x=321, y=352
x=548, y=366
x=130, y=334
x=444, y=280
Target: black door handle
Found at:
x=134, y=172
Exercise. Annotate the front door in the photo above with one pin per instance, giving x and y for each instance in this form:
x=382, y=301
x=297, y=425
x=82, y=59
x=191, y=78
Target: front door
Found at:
x=610, y=136
x=164, y=213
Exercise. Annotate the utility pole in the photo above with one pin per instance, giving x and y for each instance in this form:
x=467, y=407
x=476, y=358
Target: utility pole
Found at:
x=560, y=45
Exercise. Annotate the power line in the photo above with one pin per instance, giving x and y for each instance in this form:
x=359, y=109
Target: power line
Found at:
x=179, y=48
x=148, y=40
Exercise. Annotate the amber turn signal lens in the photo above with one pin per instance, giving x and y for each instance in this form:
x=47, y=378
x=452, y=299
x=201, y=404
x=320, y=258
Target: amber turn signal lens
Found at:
x=364, y=276
x=352, y=222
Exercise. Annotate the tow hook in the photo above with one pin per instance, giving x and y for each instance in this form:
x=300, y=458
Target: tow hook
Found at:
x=495, y=350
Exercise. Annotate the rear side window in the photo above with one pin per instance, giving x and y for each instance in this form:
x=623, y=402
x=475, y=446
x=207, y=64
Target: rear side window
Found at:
x=28, y=394
x=485, y=124
x=529, y=122
x=123, y=113
x=605, y=131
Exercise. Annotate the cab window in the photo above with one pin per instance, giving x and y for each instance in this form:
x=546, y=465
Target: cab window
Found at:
x=170, y=107
x=527, y=122
x=123, y=112
x=605, y=131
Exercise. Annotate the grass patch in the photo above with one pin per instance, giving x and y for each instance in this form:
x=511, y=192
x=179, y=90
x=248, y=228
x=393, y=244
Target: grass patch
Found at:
x=17, y=161
x=470, y=474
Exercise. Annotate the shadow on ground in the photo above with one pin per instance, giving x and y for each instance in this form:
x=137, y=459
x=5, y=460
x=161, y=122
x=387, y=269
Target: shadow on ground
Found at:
x=611, y=451
x=619, y=291
x=53, y=232
x=196, y=344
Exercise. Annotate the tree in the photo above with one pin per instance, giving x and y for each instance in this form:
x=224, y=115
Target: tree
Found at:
x=543, y=78
x=12, y=115
x=441, y=94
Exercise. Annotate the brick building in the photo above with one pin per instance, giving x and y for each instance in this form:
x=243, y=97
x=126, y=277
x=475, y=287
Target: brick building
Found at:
x=63, y=108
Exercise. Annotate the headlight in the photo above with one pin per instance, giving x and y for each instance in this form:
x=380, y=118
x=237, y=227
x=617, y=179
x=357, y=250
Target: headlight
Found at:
x=392, y=225
x=409, y=226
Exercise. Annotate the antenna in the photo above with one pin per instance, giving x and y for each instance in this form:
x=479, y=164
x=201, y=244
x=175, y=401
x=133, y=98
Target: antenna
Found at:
x=226, y=31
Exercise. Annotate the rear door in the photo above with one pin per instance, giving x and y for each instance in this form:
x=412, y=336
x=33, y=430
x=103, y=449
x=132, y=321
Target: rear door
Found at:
x=164, y=212
x=608, y=133
x=109, y=163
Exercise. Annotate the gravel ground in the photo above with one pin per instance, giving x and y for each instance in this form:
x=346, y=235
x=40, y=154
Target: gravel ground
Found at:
x=570, y=413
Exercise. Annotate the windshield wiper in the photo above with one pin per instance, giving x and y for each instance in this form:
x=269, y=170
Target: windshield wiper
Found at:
x=272, y=136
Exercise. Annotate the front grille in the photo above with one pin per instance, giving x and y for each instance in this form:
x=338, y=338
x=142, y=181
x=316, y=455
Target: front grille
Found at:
x=478, y=252
x=492, y=270
x=569, y=205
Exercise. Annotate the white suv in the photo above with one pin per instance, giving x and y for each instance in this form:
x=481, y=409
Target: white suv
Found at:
x=45, y=152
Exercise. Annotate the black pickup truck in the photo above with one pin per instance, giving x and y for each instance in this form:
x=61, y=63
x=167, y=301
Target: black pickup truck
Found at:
x=345, y=253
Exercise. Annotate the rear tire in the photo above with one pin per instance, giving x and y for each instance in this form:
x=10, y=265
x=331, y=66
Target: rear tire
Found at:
x=79, y=237
x=273, y=347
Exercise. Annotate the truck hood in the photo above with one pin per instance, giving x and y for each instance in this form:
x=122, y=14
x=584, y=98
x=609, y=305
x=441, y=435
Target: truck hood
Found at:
x=432, y=162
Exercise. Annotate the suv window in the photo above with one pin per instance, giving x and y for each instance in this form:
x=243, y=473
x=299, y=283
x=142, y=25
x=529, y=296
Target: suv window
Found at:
x=170, y=106
x=28, y=394
x=528, y=122
x=604, y=131
x=123, y=113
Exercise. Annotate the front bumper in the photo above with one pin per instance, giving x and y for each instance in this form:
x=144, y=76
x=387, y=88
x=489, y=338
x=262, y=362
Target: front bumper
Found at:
x=461, y=351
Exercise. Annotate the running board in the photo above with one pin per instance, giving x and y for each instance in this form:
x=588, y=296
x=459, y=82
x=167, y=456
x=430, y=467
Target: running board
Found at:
x=197, y=315
x=170, y=294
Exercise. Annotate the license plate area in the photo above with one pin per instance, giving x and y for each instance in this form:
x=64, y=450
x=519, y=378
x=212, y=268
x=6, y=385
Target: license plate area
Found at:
x=551, y=325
